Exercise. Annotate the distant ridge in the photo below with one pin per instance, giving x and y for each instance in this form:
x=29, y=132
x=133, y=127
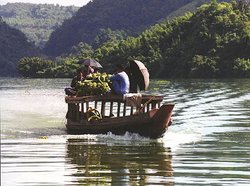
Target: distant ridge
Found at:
x=129, y=15
x=37, y=21
x=13, y=46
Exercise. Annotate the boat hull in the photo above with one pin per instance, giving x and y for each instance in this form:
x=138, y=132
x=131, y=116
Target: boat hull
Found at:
x=152, y=124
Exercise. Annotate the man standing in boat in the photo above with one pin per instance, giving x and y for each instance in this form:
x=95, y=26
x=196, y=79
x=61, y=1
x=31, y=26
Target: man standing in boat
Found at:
x=120, y=81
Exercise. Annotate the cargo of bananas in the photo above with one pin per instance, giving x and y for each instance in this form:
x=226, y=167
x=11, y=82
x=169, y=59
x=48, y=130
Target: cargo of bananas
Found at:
x=94, y=84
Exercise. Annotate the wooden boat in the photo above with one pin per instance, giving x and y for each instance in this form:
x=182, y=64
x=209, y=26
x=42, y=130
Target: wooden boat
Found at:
x=150, y=119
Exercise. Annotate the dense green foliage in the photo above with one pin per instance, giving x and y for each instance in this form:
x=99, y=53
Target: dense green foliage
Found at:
x=191, y=7
x=37, y=67
x=212, y=42
x=61, y=67
x=37, y=21
x=13, y=46
x=129, y=16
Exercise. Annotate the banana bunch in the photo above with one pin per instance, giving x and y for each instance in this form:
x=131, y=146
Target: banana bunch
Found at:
x=94, y=84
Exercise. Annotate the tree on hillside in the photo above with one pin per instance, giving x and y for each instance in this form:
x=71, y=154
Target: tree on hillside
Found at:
x=81, y=51
x=35, y=67
x=108, y=35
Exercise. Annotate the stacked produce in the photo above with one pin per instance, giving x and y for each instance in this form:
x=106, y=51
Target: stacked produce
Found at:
x=94, y=84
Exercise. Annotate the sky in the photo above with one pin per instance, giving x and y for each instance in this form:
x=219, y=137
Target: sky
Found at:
x=60, y=2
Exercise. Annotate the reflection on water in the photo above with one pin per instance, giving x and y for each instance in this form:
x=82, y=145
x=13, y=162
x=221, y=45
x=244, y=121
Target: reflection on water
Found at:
x=208, y=143
x=125, y=164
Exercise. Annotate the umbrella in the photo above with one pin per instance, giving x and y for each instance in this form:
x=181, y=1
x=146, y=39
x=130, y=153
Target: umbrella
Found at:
x=91, y=62
x=140, y=72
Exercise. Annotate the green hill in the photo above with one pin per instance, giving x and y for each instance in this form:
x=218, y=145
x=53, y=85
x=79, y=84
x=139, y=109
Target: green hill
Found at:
x=213, y=42
x=131, y=16
x=13, y=46
x=36, y=21
x=191, y=7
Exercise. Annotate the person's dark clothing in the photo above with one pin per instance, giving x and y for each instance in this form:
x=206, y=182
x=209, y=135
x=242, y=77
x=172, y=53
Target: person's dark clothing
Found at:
x=72, y=90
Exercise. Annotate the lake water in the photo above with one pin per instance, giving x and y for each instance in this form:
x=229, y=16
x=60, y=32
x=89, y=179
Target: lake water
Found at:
x=208, y=143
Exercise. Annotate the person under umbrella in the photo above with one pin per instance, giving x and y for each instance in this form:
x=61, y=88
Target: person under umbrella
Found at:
x=91, y=65
x=89, y=70
x=138, y=75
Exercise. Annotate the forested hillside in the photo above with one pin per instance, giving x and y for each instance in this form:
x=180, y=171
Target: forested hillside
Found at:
x=128, y=15
x=210, y=43
x=191, y=7
x=37, y=21
x=13, y=46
